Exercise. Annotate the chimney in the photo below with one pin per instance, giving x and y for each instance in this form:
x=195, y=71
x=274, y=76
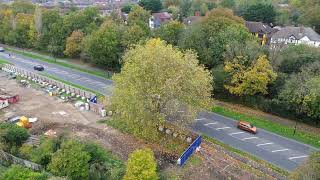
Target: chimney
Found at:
x=197, y=13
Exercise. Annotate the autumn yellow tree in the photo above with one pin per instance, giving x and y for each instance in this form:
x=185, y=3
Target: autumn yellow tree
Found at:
x=73, y=45
x=249, y=78
x=141, y=165
x=156, y=83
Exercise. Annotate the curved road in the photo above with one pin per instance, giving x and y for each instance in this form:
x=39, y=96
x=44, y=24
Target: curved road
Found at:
x=280, y=151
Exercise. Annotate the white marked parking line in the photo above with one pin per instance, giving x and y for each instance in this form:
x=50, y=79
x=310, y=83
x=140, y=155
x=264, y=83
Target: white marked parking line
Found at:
x=223, y=128
x=200, y=119
x=210, y=123
x=297, y=157
x=236, y=133
x=265, y=144
x=280, y=150
x=250, y=138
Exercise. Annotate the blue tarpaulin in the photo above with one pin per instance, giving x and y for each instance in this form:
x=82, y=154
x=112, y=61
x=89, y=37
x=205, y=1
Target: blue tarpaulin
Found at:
x=188, y=152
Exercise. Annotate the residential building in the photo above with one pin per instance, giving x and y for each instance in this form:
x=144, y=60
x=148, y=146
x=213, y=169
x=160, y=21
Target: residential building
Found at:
x=261, y=31
x=296, y=35
x=157, y=19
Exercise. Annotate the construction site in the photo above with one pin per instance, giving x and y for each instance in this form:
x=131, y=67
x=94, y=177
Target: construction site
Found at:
x=31, y=106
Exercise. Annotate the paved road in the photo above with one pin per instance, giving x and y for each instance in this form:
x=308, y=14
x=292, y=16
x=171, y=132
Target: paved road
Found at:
x=280, y=151
x=95, y=83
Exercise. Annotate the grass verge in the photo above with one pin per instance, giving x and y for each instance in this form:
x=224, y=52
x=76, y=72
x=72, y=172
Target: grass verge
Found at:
x=304, y=137
x=2, y=61
x=52, y=61
x=74, y=85
x=244, y=154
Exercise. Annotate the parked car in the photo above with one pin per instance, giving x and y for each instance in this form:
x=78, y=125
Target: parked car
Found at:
x=247, y=127
x=1, y=49
x=38, y=68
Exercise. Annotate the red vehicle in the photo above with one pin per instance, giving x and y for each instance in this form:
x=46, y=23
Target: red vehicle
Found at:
x=247, y=127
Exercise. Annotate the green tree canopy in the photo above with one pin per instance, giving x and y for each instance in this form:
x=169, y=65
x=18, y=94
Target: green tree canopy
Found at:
x=260, y=13
x=155, y=81
x=151, y=5
x=13, y=135
x=141, y=165
x=291, y=59
x=170, y=32
x=138, y=15
x=71, y=160
x=135, y=34
x=127, y=8
x=17, y=172
x=213, y=34
x=103, y=46
x=302, y=91
x=227, y=3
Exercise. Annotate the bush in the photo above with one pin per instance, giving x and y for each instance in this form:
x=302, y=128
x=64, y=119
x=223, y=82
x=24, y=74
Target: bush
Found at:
x=41, y=154
x=141, y=165
x=12, y=135
x=71, y=160
x=103, y=165
x=17, y=172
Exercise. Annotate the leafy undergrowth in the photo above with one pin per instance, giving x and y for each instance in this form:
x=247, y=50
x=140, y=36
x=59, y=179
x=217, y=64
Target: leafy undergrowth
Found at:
x=167, y=142
x=307, y=138
x=52, y=61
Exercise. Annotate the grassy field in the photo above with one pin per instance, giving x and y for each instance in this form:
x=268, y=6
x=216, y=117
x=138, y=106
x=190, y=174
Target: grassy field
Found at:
x=52, y=61
x=244, y=154
x=304, y=137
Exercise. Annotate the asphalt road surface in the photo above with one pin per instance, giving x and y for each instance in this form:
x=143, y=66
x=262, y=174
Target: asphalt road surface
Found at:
x=98, y=84
x=278, y=150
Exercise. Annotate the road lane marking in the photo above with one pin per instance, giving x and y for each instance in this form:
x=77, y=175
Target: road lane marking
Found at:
x=265, y=144
x=200, y=119
x=210, y=123
x=280, y=150
x=297, y=157
x=236, y=133
x=250, y=138
x=223, y=128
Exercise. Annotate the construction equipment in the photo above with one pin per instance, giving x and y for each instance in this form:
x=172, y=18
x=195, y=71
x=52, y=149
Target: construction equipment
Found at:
x=24, y=122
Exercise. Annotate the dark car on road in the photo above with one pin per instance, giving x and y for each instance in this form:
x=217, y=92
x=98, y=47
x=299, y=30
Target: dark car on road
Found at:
x=38, y=68
x=247, y=127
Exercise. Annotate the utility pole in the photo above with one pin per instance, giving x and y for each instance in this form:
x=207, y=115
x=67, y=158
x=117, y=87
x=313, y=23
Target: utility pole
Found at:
x=295, y=128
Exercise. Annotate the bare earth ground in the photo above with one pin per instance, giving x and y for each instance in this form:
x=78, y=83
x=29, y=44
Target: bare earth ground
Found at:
x=212, y=162
x=277, y=119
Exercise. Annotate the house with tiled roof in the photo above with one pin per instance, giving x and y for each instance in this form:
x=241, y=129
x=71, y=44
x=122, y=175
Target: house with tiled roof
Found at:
x=157, y=19
x=296, y=35
x=260, y=30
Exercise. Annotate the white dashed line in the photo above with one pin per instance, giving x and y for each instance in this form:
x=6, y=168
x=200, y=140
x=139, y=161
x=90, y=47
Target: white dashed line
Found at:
x=200, y=119
x=210, y=123
x=297, y=157
x=223, y=128
x=250, y=138
x=280, y=150
x=236, y=133
x=265, y=144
